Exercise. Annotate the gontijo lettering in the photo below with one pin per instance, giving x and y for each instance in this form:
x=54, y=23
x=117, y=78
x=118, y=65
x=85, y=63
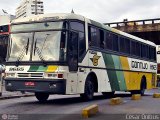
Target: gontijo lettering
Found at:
x=143, y=65
x=140, y=65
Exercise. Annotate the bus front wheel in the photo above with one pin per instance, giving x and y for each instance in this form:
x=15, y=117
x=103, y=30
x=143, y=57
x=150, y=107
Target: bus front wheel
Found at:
x=89, y=90
x=42, y=97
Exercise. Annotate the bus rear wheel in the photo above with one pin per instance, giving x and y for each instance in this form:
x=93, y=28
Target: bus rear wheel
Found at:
x=42, y=97
x=89, y=90
x=142, y=88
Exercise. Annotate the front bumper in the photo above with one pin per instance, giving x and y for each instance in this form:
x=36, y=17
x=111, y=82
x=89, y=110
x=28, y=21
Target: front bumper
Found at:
x=48, y=86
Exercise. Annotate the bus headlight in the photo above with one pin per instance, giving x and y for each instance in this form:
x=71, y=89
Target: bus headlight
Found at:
x=53, y=75
x=10, y=75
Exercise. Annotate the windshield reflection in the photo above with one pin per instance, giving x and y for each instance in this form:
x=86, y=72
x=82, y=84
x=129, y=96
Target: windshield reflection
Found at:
x=49, y=45
x=18, y=43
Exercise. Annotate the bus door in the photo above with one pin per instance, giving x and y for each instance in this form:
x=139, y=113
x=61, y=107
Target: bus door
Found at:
x=73, y=61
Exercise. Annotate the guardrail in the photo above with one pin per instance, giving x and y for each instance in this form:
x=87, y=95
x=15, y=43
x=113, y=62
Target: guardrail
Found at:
x=133, y=23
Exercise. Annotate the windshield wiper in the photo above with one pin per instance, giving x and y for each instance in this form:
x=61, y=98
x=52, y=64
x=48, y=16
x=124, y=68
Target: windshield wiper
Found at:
x=36, y=49
x=21, y=55
x=44, y=42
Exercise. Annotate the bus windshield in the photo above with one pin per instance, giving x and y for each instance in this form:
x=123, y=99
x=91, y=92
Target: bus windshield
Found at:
x=44, y=43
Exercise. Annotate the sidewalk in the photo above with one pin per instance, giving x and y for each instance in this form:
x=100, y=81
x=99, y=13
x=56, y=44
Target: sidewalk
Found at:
x=10, y=95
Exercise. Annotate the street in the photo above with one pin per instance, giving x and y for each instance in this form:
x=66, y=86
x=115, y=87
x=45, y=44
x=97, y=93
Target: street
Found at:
x=70, y=105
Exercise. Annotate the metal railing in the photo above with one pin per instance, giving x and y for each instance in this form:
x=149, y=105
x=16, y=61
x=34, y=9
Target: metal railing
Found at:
x=133, y=23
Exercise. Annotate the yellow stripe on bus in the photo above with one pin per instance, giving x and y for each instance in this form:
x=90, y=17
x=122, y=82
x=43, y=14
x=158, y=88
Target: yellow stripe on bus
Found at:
x=133, y=79
x=125, y=66
x=52, y=68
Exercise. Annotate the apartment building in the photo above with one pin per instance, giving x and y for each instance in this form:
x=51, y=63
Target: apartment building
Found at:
x=29, y=7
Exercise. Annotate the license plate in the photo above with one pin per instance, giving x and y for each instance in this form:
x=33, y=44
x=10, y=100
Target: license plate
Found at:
x=30, y=84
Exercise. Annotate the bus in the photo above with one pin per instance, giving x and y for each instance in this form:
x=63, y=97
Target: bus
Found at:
x=69, y=54
x=4, y=37
x=158, y=65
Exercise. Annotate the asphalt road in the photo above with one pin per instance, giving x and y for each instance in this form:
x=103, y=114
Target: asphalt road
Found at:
x=70, y=106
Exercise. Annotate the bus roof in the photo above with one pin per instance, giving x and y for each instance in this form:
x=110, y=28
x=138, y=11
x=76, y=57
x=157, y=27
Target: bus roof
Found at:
x=61, y=16
x=49, y=17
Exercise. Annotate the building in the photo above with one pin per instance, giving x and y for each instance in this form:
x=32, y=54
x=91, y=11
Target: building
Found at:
x=29, y=7
x=6, y=19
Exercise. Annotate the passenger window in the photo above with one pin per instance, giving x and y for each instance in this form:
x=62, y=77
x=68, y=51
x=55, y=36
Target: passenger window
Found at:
x=79, y=27
x=122, y=44
x=115, y=42
x=152, y=52
x=102, y=43
x=138, y=49
x=94, y=36
x=144, y=51
x=133, y=48
x=109, y=42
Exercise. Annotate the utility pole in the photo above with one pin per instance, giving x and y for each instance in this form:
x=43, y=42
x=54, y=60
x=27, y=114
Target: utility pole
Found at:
x=36, y=7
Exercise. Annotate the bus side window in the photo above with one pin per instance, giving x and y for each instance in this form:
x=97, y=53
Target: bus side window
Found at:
x=115, y=42
x=152, y=52
x=127, y=46
x=147, y=51
x=94, y=37
x=79, y=28
x=3, y=47
x=109, y=42
x=144, y=51
x=89, y=36
x=138, y=49
x=133, y=48
x=62, y=46
x=102, y=43
x=4, y=28
x=122, y=44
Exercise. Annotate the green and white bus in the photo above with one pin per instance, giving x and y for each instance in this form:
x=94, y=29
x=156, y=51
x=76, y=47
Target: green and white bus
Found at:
x=70, y=54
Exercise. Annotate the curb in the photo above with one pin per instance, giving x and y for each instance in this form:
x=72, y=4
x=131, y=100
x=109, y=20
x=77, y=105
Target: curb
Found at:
x=116, y=101
x=89, y=111
x=156, y=95
x=136, y=97
x=15, y=96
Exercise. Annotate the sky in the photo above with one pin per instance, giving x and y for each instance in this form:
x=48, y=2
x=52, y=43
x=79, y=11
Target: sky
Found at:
x=103, y=11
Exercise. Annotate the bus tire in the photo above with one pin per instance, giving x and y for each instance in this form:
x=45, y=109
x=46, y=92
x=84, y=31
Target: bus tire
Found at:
x=108, y=94
x=42, y=97
x=142, y=88
x=88, y=91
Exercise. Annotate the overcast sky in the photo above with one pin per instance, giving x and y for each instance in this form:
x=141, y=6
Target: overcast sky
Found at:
x=100, y=10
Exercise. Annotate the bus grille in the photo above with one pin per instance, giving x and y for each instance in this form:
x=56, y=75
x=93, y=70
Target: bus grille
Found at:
x=30, y=75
